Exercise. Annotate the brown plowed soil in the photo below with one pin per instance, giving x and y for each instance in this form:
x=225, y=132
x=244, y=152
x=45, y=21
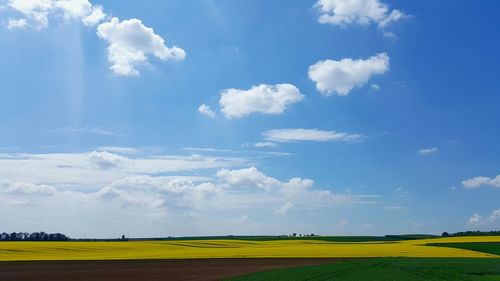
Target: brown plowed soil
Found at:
x=148, y=270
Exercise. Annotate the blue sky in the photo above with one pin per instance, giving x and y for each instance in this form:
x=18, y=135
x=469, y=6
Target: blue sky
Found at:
x=368, y=117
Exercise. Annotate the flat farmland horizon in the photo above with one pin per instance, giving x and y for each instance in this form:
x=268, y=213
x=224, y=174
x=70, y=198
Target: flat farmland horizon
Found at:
x=207, y=249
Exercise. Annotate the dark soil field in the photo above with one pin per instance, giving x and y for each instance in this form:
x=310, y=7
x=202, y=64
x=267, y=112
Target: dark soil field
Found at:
x=151, y=270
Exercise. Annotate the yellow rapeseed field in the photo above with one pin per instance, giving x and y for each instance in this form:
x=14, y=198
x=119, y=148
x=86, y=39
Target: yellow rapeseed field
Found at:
x=193, y=249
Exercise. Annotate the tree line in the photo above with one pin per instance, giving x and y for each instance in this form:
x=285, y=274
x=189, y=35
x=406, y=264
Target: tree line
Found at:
x=34, y=236
x=472, y=233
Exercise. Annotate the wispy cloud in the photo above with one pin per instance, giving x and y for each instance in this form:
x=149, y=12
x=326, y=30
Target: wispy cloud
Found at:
x=87, y=130
x=121, y=149
x=265, y=144
x=294, y=135
x=395, y=208
x=427, y=151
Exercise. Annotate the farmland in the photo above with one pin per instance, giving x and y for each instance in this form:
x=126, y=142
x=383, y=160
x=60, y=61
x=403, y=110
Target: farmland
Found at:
x=381, y=269
x=232, y=248
x=255, y=258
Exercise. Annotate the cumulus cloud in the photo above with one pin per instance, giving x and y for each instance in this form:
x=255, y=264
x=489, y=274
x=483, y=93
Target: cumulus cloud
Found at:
x=26, y=188
x=362, y=12
x=36, y=13
x=481, y=181
x=296, y=186
x=340, y=77
x=106, y=160
x=493, y=220
x=130, y=43
x=95, y=16
x=133, y=190
x=19, y=23
x=205, y=110
x=427, y=151
x=248, y=177
x=253, y=178
x=264, y=99
x=475, y=219
x=293, y=135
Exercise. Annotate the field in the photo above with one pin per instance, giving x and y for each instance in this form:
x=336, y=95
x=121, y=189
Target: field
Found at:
x=320, y=258
x=485, y=247
x=205, y=249
x=408, y=269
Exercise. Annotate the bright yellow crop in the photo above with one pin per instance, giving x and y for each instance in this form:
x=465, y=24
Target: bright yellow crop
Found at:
x=12, y=251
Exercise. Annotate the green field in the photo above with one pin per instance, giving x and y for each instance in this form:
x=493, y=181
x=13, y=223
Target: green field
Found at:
x=389, y=269
x=485, y=247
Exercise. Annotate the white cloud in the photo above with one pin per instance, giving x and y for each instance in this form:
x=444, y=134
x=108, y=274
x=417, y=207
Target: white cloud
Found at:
x=106, y=160
x=495, y=215
x=389, y=34
x=95, y=17
x=291, y=135
x=475, y=219
x=136, y=192
x=264, y=144
x=340, y=77
x=35, y=10
x=427, y=151
x=296, y=186
x=19, y=23
x=86, y=130
x=120, y=149
x=36, y=13
x=284, y=209
x=362, y=12
x=129, y=44
x=88, y=170
x=205, y=110
x=264, y=99
x=26, y=188
x=478, y=221
x=481, y=181
x=248, y=177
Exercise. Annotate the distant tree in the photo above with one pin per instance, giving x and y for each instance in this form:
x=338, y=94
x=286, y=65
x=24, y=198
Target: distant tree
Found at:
x=44, y=236
x=35, y=236
x=5, y=236
x=13, y=236
x=123, y=237
x=445, y=234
